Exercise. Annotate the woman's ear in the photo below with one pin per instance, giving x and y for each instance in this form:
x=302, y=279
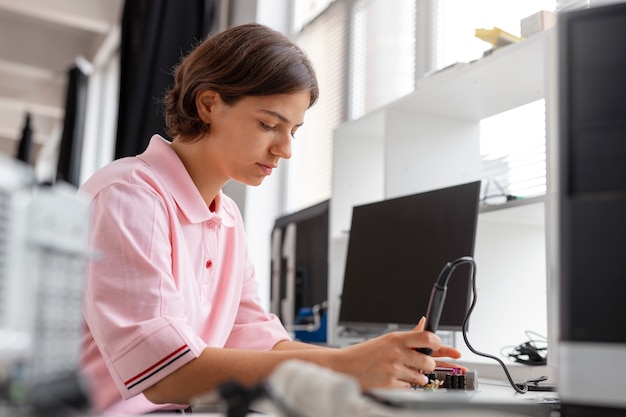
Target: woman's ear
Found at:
x=205, y=103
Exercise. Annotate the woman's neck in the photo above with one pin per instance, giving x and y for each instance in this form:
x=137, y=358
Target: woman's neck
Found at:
x=195, y=160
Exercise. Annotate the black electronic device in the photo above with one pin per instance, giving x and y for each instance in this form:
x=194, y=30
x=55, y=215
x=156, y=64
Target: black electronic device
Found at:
x=591, y=209
x=300, y=267
x=438, y=297
x=396, y=250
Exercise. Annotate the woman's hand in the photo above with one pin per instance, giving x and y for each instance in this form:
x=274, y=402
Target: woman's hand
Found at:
x=443, y=351
x=391, y=361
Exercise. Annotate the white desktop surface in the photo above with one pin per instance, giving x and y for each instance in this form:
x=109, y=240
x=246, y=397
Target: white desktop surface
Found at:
x=492, y=398
x=495, y=396
x=439, y=404
x=218, y=415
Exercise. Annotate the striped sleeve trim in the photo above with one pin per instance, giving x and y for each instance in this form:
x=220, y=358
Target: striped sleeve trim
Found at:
x=157, y=367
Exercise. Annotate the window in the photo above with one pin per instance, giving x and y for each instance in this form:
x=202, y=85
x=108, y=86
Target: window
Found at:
x=455, y=23
x=513, y=151
x=309, y=171
x=100, y=123
x=382, y=53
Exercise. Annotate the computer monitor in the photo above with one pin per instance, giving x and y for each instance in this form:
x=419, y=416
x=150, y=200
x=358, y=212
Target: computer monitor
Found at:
x=396, y=250
x=592, y=207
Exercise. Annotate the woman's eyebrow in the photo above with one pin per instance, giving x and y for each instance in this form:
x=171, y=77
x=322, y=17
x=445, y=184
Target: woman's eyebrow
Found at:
x=279, y=116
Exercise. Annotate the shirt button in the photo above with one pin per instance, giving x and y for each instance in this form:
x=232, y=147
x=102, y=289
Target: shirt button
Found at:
x=209, y=264
x=210, y=224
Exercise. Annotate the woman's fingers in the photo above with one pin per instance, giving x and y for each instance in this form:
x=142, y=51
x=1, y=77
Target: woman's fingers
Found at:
x=442, y=364
x=447, y=352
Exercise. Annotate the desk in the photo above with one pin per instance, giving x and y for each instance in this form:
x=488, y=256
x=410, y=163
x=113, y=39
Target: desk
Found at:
x=493, y=398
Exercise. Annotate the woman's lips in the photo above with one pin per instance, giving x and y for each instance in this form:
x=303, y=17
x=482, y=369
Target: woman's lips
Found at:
x=267, y=170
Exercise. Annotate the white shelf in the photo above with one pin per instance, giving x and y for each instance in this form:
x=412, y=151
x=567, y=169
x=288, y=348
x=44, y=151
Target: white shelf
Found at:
x=509, y=77
x=522, y=214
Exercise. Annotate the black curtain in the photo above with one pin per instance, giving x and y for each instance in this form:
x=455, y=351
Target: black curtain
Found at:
x=70, y=150
x=155, y=34
x=26, y=141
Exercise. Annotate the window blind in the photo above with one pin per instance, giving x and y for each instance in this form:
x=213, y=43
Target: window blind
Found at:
x=309, y=177
x=382, y=53
x=513, y=151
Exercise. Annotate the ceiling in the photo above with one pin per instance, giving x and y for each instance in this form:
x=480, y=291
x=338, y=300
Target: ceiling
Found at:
x=40, y=40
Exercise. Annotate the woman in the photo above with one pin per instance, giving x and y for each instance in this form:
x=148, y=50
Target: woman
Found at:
x=171, y=307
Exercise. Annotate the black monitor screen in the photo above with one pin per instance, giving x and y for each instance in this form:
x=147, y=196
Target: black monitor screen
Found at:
x=396, y=250
x=592, y=172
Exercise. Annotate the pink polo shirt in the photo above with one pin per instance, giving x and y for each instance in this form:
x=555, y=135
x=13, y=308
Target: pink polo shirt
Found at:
x=171, y=278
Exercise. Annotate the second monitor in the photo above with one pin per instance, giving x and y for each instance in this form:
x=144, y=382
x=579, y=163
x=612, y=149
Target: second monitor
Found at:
x=396, y=250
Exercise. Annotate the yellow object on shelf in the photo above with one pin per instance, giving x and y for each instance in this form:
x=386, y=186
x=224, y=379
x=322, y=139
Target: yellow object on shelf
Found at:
x=496, y=37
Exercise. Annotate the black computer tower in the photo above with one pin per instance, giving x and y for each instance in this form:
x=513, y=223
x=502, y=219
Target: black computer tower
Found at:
x=592, y=210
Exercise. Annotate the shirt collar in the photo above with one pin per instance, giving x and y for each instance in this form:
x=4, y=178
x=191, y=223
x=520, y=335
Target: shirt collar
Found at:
x=168, y=166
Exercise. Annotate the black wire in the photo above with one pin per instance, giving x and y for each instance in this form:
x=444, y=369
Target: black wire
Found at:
x=515, y=386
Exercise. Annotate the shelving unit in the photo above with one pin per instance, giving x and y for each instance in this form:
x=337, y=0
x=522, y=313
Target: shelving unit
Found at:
x=430, y=139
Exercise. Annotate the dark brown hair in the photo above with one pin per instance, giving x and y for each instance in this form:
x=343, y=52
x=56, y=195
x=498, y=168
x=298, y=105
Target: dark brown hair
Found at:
x=245, y=60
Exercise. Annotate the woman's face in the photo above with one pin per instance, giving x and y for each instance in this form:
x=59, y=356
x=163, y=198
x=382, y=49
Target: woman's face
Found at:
x=246, y=140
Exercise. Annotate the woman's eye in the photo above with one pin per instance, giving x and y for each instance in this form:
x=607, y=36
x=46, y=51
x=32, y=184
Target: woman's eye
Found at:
x=267, y=127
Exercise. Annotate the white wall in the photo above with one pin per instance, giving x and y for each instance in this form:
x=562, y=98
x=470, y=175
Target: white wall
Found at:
x=510, y=257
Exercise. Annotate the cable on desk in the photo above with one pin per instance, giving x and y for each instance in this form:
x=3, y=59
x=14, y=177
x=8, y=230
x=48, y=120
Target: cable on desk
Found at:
x=524, y=386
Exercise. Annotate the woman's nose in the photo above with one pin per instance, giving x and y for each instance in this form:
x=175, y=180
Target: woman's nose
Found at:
x=283, y=147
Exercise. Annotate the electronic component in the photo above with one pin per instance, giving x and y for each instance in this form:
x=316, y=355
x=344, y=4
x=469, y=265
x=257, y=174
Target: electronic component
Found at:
x=451, y=379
